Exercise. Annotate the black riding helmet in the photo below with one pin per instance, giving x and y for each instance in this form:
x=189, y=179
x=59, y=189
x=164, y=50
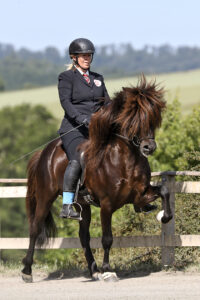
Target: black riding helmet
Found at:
x=79, y=46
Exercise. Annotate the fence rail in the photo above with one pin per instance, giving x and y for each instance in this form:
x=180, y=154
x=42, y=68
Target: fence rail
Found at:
x=167, y=240
x=119, y=242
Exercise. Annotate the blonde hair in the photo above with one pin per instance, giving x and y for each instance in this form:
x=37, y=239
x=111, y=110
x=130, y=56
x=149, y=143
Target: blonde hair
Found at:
x=70, y=66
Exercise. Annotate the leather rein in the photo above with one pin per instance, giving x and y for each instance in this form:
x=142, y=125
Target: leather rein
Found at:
x=136, y=141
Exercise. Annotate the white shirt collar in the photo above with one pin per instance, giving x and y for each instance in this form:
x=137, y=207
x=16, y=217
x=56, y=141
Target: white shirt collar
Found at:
x=87, y=72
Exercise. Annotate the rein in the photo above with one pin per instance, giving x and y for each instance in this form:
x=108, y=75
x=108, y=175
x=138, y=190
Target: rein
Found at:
x=135, y=141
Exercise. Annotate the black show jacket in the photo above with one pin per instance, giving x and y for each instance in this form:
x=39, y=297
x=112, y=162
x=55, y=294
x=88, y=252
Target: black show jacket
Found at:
x=78, y=98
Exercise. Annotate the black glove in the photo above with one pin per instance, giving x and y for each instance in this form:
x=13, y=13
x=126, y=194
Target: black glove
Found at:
x=83, y=119
x=86, y=123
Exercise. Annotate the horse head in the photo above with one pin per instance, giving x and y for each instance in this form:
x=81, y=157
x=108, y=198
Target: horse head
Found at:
x=147, y=144
x=140, y=114
x=134, y=114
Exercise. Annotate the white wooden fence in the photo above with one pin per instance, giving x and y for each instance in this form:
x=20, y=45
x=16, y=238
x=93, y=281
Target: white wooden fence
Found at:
x=167, y=240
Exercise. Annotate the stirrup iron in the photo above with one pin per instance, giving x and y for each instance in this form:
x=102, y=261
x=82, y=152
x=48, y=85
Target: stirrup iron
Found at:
x=81, y=209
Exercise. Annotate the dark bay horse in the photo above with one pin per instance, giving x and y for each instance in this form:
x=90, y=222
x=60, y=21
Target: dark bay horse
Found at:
x=117, y=171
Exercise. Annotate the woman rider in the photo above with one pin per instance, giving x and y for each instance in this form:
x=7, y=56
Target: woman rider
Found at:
x=80, y=91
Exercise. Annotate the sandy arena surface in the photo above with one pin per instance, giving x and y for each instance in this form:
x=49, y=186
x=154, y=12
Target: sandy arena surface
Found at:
x=160, y=285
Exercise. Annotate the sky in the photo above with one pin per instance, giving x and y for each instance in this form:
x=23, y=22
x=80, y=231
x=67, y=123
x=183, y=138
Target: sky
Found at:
x=41, y=23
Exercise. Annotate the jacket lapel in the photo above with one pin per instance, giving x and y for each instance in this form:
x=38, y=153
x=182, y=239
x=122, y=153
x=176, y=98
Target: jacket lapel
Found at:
x=82, y=78
x=92, y=77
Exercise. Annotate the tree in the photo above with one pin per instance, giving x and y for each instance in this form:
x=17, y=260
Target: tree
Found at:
x=177, y=139
x=2, y=85
x=23, y=128
x=171, y=140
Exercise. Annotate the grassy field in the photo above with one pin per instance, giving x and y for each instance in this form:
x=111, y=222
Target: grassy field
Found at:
x=183, y=85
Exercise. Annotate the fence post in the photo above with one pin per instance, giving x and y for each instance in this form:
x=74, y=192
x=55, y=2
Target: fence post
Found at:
x=168, y=253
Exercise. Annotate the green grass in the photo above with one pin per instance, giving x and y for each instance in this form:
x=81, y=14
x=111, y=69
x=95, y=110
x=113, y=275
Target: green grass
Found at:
x=184, y=85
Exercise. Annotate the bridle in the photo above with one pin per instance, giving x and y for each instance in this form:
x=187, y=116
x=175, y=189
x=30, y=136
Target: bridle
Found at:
x=136, y=141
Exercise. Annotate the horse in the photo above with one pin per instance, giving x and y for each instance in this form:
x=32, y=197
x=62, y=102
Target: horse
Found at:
x=116, y=171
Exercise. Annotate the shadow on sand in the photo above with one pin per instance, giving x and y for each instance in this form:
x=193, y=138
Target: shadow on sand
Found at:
x=139, y=270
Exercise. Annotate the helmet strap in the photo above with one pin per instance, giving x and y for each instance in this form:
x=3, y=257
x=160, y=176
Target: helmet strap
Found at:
x=76, y=62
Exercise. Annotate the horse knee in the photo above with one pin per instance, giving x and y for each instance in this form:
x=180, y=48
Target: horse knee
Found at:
x=107, y=241
x=164, y=191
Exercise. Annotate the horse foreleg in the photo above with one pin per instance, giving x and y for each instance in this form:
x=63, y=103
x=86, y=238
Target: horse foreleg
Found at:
x=107, y=238
x=152, y=193
x=164, y=193
x=84, y=236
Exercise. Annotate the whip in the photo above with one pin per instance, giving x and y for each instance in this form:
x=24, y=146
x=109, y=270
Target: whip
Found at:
x=23, y=156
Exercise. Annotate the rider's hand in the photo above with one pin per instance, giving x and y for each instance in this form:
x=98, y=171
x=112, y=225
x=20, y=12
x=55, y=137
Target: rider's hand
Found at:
x=86, y=122
x=83, y=119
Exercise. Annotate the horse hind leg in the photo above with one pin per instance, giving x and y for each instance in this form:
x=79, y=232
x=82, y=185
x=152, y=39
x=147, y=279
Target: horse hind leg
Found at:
x=42, y=223
x=28, y=259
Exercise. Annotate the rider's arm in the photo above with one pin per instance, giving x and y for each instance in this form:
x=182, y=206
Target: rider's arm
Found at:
x=65, y=88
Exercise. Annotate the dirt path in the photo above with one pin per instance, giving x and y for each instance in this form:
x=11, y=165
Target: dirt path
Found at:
x=161, y=285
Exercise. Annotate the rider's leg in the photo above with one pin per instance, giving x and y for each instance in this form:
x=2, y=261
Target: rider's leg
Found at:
x=72, y=173
x=71, y=178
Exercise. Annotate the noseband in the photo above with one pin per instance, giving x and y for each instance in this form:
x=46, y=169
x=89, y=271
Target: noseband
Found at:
x=136, y=141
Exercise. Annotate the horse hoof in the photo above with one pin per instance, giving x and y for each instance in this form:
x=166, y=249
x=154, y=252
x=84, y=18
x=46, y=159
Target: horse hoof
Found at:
x=160, y=215
x=110, y=277
x=27, y=278
x=97, y=276
x=165, y=220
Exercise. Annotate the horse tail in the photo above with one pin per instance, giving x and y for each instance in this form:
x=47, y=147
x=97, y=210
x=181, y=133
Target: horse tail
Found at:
x=49, y=228
x=31, y=186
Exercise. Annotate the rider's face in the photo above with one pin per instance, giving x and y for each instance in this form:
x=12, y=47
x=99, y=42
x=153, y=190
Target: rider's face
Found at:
x=84, y=60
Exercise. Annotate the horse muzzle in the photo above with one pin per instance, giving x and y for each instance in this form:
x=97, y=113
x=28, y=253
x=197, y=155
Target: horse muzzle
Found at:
x=147, y=147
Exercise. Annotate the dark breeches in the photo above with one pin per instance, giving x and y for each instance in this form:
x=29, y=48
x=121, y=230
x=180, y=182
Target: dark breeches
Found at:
x=71, y=141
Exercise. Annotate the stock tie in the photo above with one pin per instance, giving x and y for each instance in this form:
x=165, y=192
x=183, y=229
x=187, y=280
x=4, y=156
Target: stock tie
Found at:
x=87, y=78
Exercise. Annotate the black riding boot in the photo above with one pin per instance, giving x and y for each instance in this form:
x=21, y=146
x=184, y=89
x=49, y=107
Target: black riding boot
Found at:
x=71, y=177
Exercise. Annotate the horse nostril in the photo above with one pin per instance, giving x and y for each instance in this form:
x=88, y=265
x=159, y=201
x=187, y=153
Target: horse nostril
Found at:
x=146, y=147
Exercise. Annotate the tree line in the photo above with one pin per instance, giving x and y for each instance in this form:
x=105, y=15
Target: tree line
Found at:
x=24, y=68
